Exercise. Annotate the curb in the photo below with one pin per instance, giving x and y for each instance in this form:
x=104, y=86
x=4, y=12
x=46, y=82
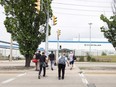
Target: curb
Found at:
x=99, y=72
x=12, y=72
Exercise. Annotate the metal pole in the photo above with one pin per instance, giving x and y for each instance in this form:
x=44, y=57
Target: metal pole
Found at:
x=11, y=43
x=47, y=28
x=57, y=52
x=90, y=39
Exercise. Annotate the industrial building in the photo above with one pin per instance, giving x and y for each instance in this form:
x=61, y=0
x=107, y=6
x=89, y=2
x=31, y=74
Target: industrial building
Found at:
x=80, y=46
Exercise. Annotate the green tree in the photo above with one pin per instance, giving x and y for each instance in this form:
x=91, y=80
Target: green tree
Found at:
x=23, y=22
x=103, y=53
x=110, y=32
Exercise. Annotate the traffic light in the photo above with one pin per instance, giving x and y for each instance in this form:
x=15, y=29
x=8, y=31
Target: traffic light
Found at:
x=60, y=46
x=54, y=20
x=37, y=5
x=59, y=32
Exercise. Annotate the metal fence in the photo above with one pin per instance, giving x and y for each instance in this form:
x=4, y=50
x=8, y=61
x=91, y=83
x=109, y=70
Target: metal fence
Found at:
x=5, y=51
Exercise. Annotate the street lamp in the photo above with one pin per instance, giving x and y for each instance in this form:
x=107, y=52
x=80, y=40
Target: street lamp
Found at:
x=90, y=38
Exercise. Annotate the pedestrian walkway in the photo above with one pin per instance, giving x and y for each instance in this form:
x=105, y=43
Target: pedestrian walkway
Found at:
x=72, y=79
x=22, y=77
x=30, y=78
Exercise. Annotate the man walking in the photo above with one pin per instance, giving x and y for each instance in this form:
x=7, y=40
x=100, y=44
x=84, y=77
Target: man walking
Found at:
x=71, y=59
x=61, y=65
x=42, y=65
x=37, y=56
x=52, y=59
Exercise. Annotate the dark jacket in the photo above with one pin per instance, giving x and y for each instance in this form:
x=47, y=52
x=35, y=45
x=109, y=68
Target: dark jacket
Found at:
x=51, y=56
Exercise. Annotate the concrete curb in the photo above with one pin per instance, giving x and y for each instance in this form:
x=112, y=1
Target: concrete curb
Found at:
x=12, y=72
x=99, y=72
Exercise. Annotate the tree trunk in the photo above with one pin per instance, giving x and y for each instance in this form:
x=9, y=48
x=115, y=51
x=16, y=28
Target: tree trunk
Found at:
x=27, y=62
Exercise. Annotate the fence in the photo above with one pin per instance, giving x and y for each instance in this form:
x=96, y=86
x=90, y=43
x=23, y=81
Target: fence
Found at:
x=5, y=50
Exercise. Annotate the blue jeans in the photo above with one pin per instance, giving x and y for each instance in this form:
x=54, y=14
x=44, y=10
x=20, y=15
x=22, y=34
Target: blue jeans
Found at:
x=52, y=63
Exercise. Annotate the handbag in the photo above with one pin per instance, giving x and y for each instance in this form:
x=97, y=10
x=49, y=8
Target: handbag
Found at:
x=34, y=60
x=45, y=64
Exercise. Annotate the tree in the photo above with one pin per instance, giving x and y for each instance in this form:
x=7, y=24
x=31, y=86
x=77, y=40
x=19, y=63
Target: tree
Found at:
x=23, y=22
x=110, y=32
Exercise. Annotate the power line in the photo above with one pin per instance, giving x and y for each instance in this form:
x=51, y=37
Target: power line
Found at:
x=81, y=5
x=75, y=14
x=80, y=9
x=95, y=1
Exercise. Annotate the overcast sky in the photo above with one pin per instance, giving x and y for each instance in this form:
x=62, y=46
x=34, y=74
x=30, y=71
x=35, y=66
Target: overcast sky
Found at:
x=73, y=17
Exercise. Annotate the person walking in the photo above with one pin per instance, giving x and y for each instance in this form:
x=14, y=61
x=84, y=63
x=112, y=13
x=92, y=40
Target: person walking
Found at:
x=42, y=65
x=61, y=66
x=37, y=56
x=52, y=59
x=71, y=59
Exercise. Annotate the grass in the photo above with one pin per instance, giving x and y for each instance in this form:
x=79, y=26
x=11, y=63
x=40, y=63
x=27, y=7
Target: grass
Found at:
x=112, y=57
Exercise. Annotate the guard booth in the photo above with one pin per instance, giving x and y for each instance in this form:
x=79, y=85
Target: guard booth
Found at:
x=66, y=51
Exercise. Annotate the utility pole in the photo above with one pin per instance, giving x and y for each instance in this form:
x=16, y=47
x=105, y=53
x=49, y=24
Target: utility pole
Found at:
x=47, y=28
x=11, y=43
x=90, y=38
x=40, y=7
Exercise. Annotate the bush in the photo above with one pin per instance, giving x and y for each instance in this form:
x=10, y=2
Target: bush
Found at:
x=103, y=54
x=81, y=59
x=93, y=59
x=88, y=57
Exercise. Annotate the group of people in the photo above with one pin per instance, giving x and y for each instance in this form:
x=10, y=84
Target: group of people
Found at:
x=62, y=60
x=42, y=62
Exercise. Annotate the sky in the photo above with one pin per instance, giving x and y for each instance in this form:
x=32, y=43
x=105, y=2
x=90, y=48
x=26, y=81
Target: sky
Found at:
x=73, y=18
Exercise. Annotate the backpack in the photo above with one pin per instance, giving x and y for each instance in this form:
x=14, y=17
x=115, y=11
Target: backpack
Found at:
x=61, y=60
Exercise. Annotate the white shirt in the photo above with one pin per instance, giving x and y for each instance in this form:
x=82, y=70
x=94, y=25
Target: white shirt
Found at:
x=70, y=57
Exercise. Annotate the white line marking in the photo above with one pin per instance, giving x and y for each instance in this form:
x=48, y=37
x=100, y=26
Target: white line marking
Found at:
x=21, y=75
x=84, y=80
x=9, y=80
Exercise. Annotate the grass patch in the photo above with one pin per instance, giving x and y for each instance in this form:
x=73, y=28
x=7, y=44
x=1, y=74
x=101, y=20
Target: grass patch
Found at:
x=111, y=57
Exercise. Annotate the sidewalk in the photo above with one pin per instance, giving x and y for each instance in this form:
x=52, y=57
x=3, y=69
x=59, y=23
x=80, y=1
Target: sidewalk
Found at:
x=72, y=78
x=15, y=66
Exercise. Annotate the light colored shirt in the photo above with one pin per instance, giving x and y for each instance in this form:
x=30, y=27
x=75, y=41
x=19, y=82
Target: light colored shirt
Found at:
x=70, y=57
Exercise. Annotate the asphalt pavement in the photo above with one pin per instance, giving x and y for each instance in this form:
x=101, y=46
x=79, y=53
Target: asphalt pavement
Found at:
x=28, y=77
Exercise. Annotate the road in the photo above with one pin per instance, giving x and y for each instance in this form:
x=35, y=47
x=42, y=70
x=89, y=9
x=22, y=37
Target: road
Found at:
x=73, y=78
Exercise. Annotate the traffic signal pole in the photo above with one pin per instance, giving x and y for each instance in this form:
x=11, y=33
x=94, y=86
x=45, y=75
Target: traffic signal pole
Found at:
x=47, y=28
x=57, y=52
x=40, y=7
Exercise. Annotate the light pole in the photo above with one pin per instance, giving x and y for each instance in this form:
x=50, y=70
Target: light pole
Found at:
x=90, y=38
x=11, y=44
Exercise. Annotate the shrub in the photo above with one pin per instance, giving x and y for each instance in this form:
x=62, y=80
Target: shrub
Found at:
x=88, y=57
x=93, y=59
x=81, y=59
x=103, y=54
